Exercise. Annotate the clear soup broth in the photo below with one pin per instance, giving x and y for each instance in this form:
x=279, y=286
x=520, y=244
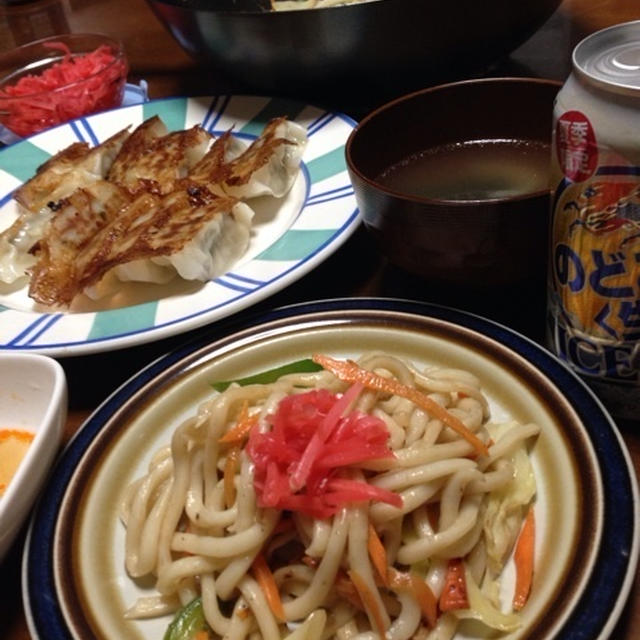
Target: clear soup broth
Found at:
x=475, y=170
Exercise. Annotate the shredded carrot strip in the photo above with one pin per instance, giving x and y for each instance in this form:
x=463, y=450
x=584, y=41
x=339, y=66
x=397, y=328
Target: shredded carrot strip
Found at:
x=426, y=599
x=378, y=554
x=267, y=583
x=201, y=635
x=413, y=583
x=454, y=594
x=241, y=429
x=230, y=470
x=474, y=455
x=349, y=371
x=369, y=601
x=523, y=557
x=347, y=590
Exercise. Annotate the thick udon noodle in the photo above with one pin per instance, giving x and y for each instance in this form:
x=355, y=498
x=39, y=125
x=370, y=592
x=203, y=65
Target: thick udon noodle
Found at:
x=453, y=506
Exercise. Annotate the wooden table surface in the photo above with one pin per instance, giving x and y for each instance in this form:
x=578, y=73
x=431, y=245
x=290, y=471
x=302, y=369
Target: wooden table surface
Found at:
x=357, y=269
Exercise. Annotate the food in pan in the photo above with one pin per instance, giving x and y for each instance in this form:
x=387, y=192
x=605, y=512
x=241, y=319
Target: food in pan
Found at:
x=336, y=499
x=288, y=5
x=144, y=206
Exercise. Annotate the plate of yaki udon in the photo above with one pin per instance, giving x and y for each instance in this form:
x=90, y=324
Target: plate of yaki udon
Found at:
x=358, y=469
x=139, y=223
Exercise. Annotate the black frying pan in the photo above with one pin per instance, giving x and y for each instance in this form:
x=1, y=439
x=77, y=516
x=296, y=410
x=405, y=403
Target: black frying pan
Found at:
x=379, y=47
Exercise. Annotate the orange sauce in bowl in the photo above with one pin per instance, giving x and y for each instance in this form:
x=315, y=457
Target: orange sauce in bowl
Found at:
x=14, y=444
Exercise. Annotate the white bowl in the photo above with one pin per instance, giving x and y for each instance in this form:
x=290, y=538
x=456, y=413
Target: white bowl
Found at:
x=33, y=397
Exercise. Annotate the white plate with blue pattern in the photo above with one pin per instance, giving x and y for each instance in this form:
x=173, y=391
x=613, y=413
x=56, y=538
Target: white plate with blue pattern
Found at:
x=290, y=236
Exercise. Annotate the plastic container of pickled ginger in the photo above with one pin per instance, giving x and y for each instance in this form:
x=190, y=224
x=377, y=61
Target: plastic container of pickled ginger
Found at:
x=51, y=81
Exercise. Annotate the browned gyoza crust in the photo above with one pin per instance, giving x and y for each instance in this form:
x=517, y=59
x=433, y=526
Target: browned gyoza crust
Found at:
x=218, y=169
x=139, y=196
x=153, y=160
x=73, y=167
x=150, y=226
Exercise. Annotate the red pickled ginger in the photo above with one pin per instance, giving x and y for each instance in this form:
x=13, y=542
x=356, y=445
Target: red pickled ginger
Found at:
x=75, y=86
x=298, y=462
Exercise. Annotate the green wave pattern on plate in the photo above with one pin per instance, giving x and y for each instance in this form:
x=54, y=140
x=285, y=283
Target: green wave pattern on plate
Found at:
x=173, y=112
x=296, y=244
x=114, y=322
x=24, y=160
x=328, y=165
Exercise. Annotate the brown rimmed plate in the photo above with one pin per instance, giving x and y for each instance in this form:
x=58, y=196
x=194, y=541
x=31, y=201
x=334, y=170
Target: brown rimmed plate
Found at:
x=587, y=505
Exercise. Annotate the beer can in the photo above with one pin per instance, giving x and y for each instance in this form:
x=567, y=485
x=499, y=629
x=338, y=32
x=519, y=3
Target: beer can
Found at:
x=594, y=274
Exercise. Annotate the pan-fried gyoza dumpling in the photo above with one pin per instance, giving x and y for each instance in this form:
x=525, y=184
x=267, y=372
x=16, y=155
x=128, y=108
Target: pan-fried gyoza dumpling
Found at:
x=147, y=159
x=145, y=206
x=134, y=148
x=76, y=222
x=77, y=166
x=192, y=231
x=154, y=160
x=268, y=166
x=215, y=246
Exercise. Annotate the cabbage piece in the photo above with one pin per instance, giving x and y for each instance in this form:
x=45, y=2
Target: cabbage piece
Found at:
x=505, y=507
x=482, y=610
